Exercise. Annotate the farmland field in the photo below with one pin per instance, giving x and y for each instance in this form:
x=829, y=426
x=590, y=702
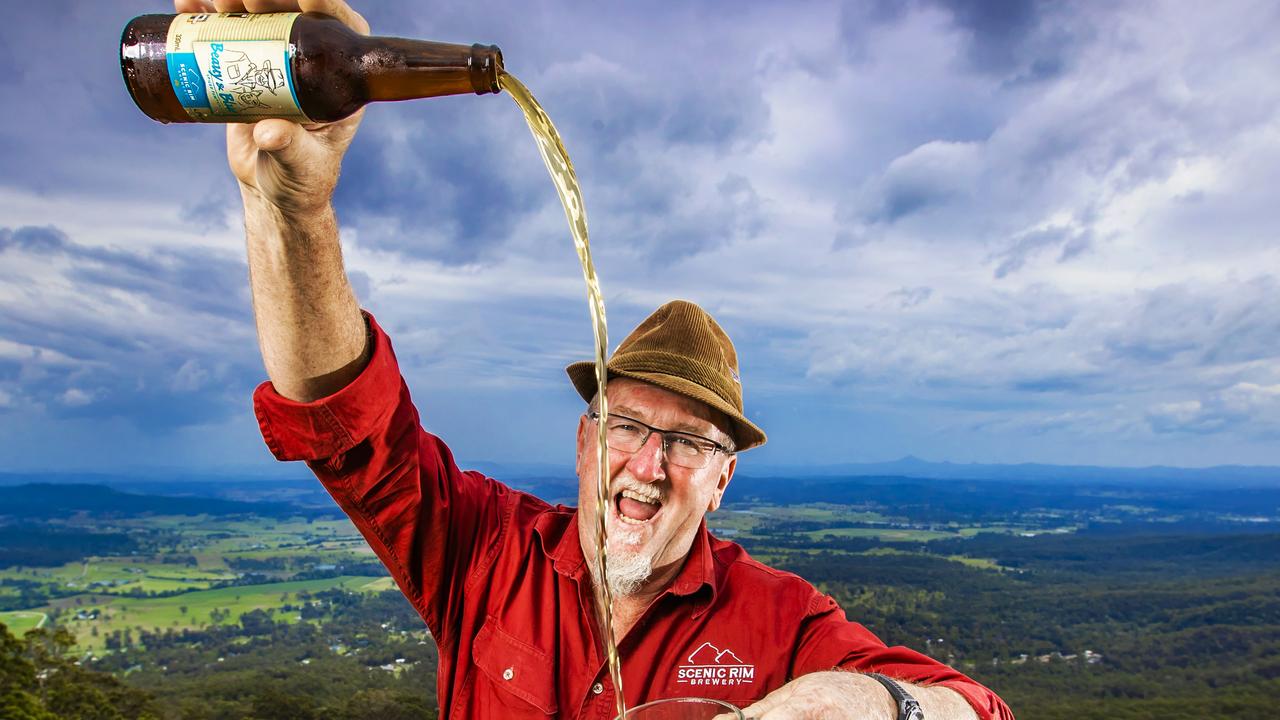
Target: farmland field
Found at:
x=20, y=621
x=1068, y=603
x=105, y=614
x=189, y=572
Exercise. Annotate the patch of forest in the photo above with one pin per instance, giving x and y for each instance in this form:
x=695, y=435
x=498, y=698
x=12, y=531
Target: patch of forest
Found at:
x=1126, y=626
x=1084, y=602
x=47, y=501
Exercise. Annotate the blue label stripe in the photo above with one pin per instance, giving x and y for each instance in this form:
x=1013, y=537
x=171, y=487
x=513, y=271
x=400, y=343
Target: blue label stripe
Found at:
x=187, y=80
x=288, y=78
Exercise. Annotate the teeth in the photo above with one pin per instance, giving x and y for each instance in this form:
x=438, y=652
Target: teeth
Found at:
x=651, y=499
x=644, y=497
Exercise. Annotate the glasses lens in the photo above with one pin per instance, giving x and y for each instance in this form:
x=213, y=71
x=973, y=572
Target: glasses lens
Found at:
x=626, y=435
x=686, y=451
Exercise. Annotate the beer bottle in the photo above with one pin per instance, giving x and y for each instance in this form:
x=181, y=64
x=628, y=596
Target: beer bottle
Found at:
x=306, y=67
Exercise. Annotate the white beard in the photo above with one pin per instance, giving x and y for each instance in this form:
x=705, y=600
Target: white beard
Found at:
x=630, y=565
x=627, y=572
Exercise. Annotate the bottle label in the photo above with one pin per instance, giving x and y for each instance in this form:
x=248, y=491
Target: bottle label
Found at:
x=233, y=67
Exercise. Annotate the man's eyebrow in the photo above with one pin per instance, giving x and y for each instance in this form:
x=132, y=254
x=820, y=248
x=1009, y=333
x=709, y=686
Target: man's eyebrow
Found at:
x=623, y=409
x=684, y=427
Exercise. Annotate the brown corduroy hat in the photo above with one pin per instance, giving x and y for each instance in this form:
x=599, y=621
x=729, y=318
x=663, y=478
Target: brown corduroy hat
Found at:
x=680, y=347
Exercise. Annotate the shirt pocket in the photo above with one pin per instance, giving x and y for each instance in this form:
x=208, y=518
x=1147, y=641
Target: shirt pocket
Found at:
x=515, y=679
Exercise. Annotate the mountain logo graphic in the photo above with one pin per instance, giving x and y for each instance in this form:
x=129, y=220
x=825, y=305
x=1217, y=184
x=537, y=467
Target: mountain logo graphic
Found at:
x=710, y=665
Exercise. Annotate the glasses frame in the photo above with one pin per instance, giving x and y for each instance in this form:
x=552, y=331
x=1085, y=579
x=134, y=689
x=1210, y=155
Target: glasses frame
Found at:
x=715, y=446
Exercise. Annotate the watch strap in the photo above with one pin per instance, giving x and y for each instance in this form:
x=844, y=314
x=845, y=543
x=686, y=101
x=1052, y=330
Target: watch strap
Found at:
x=908, y=707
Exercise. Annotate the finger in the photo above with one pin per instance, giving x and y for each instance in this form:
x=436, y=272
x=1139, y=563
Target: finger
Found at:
x=192, y=6
x=767, y=704
x=782, y=713
x=270, y=6
x=779, y=712
x=338, y=9
x=228, y=5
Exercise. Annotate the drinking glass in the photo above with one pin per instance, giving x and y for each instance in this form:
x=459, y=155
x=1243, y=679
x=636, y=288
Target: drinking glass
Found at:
x=684, y=708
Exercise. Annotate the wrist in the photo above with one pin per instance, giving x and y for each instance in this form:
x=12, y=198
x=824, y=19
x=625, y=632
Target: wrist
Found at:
x=280, y=240
x=905, y=705
x=258, y=205
x=870, y=695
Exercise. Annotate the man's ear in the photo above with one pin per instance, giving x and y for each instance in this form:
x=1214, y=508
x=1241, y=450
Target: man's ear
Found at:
x=726, y=474
x=582, y=444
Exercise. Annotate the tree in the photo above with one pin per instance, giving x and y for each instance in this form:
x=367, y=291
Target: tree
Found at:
x=39, y=682
x=273, y=704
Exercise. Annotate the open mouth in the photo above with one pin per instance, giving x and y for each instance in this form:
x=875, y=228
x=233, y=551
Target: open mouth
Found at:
x=634, y=508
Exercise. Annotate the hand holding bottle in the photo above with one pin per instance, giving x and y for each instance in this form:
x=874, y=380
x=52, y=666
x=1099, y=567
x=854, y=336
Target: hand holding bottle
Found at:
x=290, y=167
x=290, y=78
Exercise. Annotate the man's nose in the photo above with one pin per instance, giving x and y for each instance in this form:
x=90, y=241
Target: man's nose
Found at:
x=646, y=463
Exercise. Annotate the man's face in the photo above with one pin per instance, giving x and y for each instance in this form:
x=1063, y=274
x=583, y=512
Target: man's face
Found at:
x=638, y=536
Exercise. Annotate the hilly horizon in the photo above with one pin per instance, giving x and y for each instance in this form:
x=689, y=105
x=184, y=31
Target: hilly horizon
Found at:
x=909, y=466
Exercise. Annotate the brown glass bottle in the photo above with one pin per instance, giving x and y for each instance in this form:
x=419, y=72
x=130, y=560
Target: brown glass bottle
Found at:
x=332, y=70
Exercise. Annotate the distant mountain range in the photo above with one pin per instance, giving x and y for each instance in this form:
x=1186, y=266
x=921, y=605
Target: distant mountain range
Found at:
x=298, y=487
x=914, y=467
x=1188, y=499
x=911, y=466
x=43, y=501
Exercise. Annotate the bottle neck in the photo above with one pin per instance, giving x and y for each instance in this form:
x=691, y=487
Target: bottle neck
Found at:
x=400, y=69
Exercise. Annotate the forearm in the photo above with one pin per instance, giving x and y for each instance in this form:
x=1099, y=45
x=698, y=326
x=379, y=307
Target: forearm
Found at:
x=310, y=331
x=937, y=701
x=840, y=693
x=941, y=703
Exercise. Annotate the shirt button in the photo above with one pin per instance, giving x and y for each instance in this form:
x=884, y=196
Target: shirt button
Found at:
x=597, y=688
x=508, y=673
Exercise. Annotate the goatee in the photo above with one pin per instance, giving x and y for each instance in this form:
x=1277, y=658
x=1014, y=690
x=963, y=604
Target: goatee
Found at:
x=627, y=572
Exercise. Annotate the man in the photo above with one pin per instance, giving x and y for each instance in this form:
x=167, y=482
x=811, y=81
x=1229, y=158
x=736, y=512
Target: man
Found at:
x=504, y=580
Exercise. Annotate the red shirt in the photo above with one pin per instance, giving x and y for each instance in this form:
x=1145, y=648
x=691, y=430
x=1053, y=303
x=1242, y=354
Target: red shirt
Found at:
x=500, y=578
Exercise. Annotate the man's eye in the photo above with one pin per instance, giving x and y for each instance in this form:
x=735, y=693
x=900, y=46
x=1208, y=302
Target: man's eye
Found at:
x=688, y=443
x=624, y=427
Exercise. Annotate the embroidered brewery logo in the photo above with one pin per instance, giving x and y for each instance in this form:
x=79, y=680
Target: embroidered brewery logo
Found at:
x=709, y=665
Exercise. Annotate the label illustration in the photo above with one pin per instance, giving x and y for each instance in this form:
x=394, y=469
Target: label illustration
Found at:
x=233, y=67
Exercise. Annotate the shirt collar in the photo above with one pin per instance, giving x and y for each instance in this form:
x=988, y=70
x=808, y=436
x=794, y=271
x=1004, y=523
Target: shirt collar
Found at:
x=559, y=533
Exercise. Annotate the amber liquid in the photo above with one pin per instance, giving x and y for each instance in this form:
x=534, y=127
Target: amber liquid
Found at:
x=566, y=181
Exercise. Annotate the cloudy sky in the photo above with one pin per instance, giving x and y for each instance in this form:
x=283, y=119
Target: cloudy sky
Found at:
x=959, y=229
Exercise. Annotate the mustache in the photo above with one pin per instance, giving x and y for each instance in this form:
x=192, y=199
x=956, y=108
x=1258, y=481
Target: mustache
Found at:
x=625, y=482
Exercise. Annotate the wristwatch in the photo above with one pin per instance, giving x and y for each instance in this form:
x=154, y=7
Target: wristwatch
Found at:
x=908, y=708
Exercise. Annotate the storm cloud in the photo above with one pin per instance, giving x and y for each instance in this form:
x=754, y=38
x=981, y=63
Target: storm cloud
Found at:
x=977, y=231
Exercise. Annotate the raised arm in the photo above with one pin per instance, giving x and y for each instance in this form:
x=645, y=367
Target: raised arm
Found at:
x=310, y=331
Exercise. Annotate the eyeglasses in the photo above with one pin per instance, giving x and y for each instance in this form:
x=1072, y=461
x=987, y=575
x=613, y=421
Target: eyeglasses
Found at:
x=680, y=448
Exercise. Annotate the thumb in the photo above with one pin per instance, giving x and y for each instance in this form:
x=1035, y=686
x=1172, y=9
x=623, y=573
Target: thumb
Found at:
x=292, y=168
x=280, y=138
x=759, y=710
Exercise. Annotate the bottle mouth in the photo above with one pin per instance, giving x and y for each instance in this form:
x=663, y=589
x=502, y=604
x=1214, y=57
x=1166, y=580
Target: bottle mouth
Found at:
x=485, y=65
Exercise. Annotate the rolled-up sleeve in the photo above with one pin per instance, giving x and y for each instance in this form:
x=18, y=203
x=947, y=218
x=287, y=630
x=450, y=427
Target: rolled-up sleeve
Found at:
x=435, y=527
x=332, y=426
x=830, y=641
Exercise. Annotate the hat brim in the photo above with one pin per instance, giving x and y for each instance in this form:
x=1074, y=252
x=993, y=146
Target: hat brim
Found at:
x=745, y=433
